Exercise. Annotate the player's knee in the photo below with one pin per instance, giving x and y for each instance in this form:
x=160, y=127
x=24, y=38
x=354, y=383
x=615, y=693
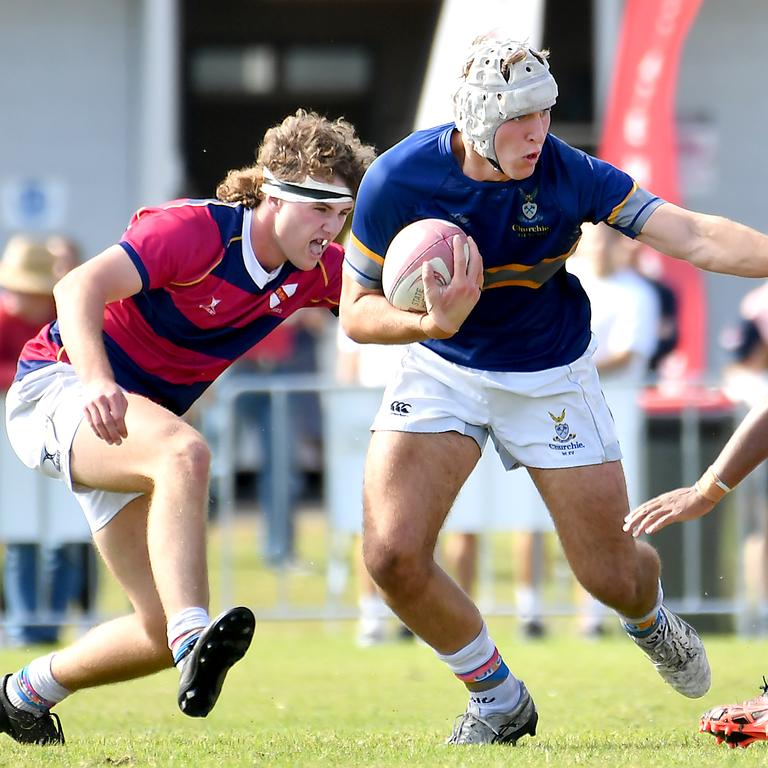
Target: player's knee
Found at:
x=616, y=592
x=629, y=592
x=395, y=568
x=628, y=585
x=185, y=449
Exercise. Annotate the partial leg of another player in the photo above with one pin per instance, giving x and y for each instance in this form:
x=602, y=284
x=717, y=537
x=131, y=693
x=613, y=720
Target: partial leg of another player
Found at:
x=588, y=505
x=411, y=481
x=739, y=725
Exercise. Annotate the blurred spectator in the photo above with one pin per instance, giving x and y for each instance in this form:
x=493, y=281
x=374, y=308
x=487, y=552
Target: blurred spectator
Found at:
x=291, y=348
x=669, y=329
x=349, y=415
x=65, y=252
x=745, y=378
x=626, y=319
x=36, y=578
x=745, y=381
x=461, y=554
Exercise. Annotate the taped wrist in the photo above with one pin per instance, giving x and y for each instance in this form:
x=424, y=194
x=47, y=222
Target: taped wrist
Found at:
x=711, y=487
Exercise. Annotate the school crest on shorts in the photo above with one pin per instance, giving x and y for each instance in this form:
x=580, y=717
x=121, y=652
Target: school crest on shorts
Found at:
x=564, y=441
x=563, y=432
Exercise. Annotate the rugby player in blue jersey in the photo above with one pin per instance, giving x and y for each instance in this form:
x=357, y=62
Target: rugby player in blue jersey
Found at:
x=143, y=329
x=506, y=352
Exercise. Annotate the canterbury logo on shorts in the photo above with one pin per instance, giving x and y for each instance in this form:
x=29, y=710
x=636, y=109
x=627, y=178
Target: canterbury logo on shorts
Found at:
x=400, y=408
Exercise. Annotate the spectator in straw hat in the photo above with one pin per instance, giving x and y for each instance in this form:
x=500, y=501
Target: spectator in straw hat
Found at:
x=26, y=301
x=26, y=304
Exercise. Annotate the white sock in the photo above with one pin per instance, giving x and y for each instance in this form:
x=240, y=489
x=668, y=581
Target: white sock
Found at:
x=644, y=625
x=373, y=607
x=34, y=688
x=184, y=628
x=592, y=613
x=528, y=603
x=478, y=665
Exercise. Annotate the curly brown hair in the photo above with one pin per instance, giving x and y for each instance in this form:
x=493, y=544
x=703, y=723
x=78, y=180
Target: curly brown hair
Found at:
x=304, y=144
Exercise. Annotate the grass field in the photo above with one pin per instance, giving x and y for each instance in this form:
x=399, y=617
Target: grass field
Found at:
x=305, y=695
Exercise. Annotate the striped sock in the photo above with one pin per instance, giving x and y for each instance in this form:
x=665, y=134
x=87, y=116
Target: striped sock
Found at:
x=34, y=688
x=183, y=630
x=479, y=665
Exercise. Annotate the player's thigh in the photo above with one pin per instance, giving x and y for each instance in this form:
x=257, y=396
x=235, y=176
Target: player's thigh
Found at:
x=154, y=434
x=411, y=481
x=588, y=505
x=122, y=544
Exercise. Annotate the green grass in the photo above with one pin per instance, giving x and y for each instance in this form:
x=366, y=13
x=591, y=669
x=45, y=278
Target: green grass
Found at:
x=305, y=695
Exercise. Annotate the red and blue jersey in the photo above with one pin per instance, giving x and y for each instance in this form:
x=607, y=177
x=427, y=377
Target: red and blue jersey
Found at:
x=205, y=301
x=532, y=313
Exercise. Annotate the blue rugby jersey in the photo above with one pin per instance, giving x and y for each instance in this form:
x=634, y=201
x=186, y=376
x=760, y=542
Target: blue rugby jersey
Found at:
x=532, y=313
x=204, y=302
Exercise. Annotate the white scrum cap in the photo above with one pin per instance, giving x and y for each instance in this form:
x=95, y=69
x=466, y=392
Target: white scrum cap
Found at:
x=490, y=92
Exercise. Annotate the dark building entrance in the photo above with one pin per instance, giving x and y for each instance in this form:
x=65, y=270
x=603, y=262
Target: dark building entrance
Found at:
x=248, y=63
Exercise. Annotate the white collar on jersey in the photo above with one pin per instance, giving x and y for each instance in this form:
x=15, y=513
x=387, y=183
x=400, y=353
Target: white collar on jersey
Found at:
x=308, y=191
x=258, y=274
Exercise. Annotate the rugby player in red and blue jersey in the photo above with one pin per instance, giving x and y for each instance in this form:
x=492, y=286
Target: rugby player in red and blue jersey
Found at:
x=142, y=330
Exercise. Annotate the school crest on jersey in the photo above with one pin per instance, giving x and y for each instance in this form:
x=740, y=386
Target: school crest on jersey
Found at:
x=281, y=294
x=530, y=207
x=530, y=219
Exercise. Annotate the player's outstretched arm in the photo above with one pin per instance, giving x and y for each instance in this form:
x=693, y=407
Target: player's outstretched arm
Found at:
x=709, y=242
x=81, y=296
x=746, y=449
x=672, y=507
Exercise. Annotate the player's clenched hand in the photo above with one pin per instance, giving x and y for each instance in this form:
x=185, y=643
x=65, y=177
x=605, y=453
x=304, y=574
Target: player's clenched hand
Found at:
x=449, y=305
x=673, y=507
x=105, y=408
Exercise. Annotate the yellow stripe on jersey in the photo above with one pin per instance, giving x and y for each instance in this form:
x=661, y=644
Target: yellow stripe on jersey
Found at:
x=324, y=271
x=537, y=274
x=367, y=251
x=200, y=279
x=614, y=214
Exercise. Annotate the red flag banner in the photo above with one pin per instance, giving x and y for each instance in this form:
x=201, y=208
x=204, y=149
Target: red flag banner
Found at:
x=639, y=136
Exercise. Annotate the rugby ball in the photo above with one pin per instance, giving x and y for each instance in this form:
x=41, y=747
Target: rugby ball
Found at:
x=423, y=240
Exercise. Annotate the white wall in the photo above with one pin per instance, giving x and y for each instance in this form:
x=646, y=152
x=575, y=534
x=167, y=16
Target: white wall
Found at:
x=69, y=95
x=722, y=86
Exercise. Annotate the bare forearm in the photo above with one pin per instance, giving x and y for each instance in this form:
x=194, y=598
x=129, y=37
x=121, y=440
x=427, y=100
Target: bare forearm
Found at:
x=373, y=320
x=732, y=248
x=747, y=448
x=709, y=242
x=80, y=314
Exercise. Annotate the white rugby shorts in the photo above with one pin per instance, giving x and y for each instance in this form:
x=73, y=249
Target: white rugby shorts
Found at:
x=546, y=419
x=43, y=412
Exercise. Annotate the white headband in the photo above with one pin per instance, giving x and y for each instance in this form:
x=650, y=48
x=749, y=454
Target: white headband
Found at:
x=307, y=191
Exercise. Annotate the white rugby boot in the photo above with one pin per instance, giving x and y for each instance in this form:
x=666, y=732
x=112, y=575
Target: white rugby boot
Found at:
x=500, y=728
x=678, y=654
